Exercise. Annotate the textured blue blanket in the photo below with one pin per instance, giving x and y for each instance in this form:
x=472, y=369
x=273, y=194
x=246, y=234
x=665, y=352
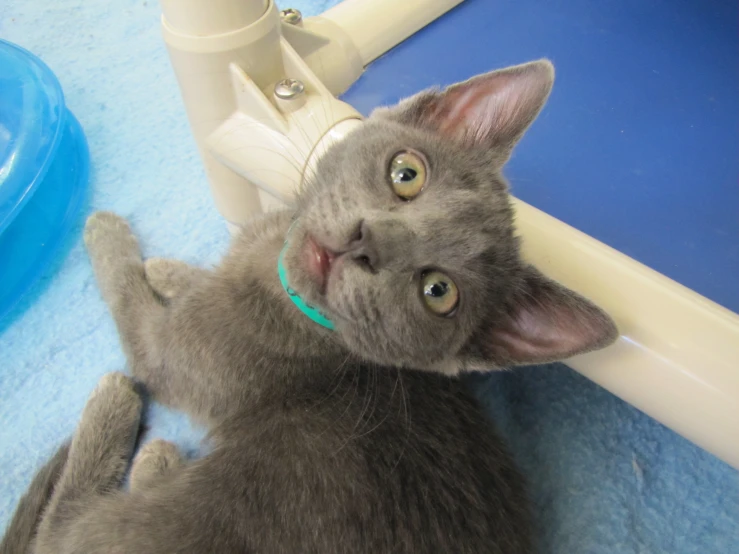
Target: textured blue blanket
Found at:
x=605, y=478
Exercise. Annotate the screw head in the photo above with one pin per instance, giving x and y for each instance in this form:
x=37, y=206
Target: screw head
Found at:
x=291, y=16
x=289, y=88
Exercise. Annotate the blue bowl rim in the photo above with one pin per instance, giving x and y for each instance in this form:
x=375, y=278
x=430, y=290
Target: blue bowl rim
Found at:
x=60, y=234
x=24, y=195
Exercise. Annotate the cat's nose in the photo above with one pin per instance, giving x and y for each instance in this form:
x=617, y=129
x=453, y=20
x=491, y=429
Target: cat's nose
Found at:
x=362, y=248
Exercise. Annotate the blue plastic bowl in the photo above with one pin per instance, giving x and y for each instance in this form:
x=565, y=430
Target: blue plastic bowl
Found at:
x=44, y=167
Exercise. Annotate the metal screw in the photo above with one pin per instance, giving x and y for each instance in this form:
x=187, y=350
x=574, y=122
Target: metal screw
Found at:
x=288, y=89
x=291, y=16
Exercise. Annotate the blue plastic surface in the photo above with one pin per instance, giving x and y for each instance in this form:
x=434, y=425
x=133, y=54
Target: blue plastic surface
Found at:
x=639, y=144
x=43, y=171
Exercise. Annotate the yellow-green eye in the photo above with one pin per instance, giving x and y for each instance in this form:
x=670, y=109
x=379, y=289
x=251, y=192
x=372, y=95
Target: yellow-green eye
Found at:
x=439, y=292
x=407, y=174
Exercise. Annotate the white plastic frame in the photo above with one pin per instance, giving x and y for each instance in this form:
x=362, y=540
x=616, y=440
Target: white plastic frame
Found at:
x=678, y=355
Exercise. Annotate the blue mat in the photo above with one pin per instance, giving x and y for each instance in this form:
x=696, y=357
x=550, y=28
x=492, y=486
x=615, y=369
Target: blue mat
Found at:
x=605, y=478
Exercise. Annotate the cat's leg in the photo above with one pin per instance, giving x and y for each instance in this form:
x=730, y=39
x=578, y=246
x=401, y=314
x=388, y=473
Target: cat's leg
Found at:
x=116, y=261
x=119, y=271
x=141, y=315
x=155, y=460
x=98, y=457
x=138, y=312
x=170, y=278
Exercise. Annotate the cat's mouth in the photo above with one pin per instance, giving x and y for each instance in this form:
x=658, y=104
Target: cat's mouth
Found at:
x=318, y=263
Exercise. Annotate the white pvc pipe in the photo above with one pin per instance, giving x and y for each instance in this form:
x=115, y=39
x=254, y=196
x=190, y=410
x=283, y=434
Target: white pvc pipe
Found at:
x=376, y=26
x=678, y=355
x=269, y=140
x=211, y=17
x=204, y=38
x=207, y=38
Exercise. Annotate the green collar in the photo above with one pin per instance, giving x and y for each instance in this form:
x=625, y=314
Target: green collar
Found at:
x=313, y=313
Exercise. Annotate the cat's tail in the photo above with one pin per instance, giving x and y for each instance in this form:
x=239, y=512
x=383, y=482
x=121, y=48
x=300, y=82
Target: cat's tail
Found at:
x=22, y=529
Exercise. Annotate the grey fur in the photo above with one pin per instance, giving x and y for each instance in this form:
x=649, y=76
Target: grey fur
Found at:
x=360, y=440
x=22, y=528
x=156, y=460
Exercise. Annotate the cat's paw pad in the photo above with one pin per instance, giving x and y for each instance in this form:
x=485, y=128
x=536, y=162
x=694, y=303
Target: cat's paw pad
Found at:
x=166, y=277
x=109, y=236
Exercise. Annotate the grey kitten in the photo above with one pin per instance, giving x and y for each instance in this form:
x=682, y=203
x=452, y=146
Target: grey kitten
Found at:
x=356, y=439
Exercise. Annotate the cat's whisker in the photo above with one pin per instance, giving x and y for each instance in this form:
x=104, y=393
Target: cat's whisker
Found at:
x=330, y=104
x=407, y=411
x=367, y=398
x=374, y=396
x=337, y=377
x=387, y=413
x=286, y=153
x=354, y=387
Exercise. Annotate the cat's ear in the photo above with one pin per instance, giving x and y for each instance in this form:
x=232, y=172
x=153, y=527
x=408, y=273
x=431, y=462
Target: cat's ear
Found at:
x=545, y=322
x=491, y=110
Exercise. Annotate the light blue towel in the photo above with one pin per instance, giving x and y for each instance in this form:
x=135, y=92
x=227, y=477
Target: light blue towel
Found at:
x=604, y=477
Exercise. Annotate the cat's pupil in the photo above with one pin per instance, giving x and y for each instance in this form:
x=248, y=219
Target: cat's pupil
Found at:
x=407, y=174
x=438, y=289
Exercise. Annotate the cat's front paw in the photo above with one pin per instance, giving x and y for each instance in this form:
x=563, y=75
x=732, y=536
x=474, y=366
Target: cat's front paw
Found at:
x=114, y=253
x=108, y=236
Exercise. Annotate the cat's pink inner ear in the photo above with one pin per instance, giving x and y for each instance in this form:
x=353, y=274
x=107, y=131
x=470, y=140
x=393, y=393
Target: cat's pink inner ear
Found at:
x=496, y=107
x=550, y=323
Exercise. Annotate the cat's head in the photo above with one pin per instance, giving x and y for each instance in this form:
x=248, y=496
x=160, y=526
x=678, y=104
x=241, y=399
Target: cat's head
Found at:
x=405, y=236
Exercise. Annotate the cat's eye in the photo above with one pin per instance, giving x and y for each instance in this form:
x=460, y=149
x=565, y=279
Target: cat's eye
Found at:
x=407, y=174
x=439, y=292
